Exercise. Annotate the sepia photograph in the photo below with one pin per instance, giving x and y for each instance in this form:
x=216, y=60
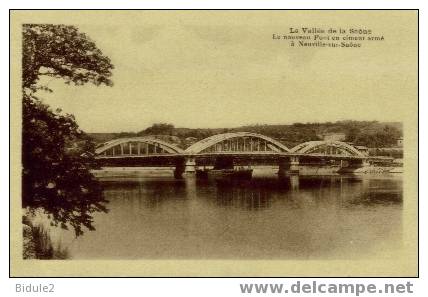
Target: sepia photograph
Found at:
x=214, y=143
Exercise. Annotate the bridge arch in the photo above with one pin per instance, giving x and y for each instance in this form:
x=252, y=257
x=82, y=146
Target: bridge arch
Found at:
x=236, y=142
x=327, y=148
x=136, y=146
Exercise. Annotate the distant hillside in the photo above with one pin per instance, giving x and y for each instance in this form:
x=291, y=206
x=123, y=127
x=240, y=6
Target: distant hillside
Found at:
x=367, y=133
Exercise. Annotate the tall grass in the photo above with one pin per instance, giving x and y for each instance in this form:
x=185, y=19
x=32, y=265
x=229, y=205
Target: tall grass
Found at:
x=43, y=246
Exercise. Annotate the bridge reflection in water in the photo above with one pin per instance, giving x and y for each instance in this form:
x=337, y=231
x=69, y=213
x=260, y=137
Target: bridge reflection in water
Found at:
x=333, y=217
x=258, y=194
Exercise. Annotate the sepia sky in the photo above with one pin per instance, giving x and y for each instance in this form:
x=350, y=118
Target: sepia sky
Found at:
x=223, y=69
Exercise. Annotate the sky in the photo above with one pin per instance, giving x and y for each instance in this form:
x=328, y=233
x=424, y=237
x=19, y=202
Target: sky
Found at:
x=201, y=69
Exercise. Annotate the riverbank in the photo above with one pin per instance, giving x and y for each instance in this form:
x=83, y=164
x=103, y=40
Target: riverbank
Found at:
x=258, y=171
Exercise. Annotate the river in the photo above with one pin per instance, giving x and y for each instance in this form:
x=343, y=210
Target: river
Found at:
x=309, y=217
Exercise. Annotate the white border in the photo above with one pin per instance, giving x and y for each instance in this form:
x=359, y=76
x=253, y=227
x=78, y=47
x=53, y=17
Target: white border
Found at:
x=194, y=287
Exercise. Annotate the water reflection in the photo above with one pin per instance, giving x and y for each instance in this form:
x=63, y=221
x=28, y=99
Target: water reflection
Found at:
x=242, y=196
x=143, y=194
x=304, y=191
x=267, y=218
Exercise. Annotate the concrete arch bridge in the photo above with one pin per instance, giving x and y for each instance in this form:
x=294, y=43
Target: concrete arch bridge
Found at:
x=227, y=151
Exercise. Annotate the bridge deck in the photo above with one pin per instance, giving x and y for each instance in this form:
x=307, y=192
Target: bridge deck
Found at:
x=249, y=155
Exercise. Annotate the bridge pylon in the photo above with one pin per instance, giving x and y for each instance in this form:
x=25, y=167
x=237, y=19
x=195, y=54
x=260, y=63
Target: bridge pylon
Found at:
x=179, y=169
x=184, y=165
x=288, y=166
x=354, y=165
x=190, y=164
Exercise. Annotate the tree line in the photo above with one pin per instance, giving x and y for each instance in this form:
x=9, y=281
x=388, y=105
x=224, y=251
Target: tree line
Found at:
x=372, y=134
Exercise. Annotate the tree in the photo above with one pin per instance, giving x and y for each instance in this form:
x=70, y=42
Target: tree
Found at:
x=56, y=155
x=158, y=129
x=62, y=52
x=352, y=134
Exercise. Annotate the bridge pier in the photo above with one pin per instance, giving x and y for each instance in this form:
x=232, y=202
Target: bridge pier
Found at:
x=354, y=165
x=288, y=166
x=190, y=165
x=179, y=169
x=185, y=165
